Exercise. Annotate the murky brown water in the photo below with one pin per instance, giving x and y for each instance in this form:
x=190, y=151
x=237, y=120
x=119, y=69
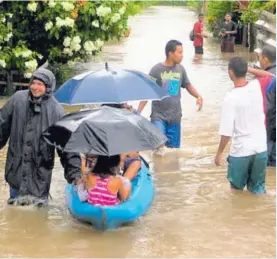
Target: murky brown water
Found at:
x=194, y=213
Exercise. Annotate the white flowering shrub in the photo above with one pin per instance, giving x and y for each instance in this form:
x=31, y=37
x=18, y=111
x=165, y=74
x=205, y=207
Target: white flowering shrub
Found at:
x=63, y=32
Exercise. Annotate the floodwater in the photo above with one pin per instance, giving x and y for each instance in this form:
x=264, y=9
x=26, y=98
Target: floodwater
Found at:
x=194, y=213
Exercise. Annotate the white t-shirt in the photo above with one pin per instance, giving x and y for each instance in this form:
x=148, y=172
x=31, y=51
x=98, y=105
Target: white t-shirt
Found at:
x=243, y=119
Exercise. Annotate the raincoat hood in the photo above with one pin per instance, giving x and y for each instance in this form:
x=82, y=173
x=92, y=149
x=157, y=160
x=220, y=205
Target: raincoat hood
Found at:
x=48, y=78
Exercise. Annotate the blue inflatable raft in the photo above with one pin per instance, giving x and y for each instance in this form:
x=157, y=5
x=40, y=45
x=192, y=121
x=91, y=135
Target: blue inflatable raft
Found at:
x=111, y=217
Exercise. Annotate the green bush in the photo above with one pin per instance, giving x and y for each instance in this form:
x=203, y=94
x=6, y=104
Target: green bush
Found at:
x=60, y=32
x=252, y=11
x=195, y=5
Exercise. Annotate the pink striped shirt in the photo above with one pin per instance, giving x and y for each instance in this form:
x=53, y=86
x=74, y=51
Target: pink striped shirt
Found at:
x=99, y=195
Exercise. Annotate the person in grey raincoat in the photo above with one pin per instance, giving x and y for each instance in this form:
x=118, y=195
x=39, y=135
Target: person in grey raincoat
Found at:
x=30, y=160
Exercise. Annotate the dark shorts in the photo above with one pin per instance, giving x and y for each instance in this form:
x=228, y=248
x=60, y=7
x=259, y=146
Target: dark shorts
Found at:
x=248, y=171
x=199, y=50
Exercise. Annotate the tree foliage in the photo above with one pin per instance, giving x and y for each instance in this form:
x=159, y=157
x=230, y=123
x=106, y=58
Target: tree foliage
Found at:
x=32, y=32
x=252, y=11
x=195, y=5
x=218, y=9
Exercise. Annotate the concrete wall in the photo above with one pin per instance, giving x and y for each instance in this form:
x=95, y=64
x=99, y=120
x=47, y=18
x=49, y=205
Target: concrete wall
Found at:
x=265, y=31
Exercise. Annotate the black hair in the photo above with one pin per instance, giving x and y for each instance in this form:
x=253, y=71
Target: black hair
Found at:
x=200, y=15
x=113, y=105
x=171, y=46
x=270, y=53
x=106, y=165
x=228, y=13
x=39, y=79
x=239, y=66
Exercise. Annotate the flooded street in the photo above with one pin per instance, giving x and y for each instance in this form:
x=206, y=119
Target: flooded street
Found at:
x=194, y=213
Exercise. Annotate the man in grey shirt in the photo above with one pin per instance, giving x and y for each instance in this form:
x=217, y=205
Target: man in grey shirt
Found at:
x=171, y=75
x=228, y=33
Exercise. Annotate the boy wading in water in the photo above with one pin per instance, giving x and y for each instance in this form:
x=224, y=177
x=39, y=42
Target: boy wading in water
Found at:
x=167, y=113
x=243, y=121
x=199, y=35
x=228, y=34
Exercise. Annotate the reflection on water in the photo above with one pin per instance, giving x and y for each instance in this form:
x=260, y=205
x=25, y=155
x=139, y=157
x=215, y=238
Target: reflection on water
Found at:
x=194, y=213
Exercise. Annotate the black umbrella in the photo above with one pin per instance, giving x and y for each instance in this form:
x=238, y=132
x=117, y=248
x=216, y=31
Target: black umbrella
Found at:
x=104, y=131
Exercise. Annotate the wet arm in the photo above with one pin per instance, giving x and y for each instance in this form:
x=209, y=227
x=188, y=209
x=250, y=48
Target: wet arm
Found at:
x=226, y=128
x=84, y=169
x=234, y=31
x=192, y=91
x=132, y=170
x=141, y=105
x=258, y=72
x=71, y=163
x=224, y=140
x=271, y=110
x=201, y=33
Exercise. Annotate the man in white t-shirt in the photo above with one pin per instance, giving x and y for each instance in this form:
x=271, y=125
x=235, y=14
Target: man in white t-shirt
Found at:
x=243, y=121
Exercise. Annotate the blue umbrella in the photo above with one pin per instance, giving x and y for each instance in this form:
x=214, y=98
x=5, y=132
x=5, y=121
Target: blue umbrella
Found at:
x=109, y=86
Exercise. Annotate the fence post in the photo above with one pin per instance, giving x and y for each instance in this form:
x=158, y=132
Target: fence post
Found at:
x=10, y=83
x=252, y=38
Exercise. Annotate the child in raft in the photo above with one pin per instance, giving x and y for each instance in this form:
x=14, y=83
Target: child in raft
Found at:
x=130, y=164
x=101, y=186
